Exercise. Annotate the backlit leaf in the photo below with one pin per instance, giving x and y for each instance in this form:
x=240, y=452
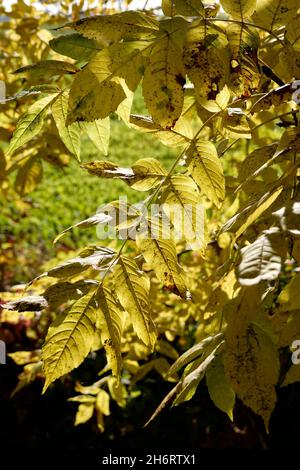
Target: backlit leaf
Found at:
x=219, y=388
x=183, y=7
x=206, y=59
x=75, y=46
x=293, y=32
x=108, y=28
x=204, y=165
x=250, y=212
x=31, y=123
x=48, y=68
x=69, y=341
x=132, y=288
x=239, y=9
x=163, y=81
x=273, y=13
x=97, y=89
x=70, y=135
x=159, y=250
x=182, y=203
x=110, y=322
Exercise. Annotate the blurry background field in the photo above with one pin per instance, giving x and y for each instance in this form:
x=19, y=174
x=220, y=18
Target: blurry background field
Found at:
x=65, y=196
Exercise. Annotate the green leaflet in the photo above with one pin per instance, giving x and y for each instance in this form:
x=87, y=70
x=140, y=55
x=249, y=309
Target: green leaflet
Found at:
x=219, y=388
x=239, y=9
x=31, y=123
x=70, y=135
x=206, y=170
x=132, y=288
x=69, y=341
x=63, y=291
x=191, y=380
x=75, y=46
x=110, y=322
x=186, y=387
x=48, y=68
x=254, y=161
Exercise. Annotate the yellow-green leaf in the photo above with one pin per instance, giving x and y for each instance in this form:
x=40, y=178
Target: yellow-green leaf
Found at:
x=191, y=380
x=183, y=7
x=289, y=298
x=252, y=366
x=206, y=59
x=99, y=257
x=182, y=203
x=195, y=351
x=250, y=212
x=239, y=9
x=110, y=322
x=272, y=13
x=98, y=88
x=84, y=413
x=47, y=68
x=159, y=250
x=180, y=134
x=292, y=375
x=70, y=135
x=290, y=330
x=99, y=132
x=293, y=33
x=69, y=340
x=144, y=175
x=244, y=67
x=148, y=173
x=219, y=388
x=102, y=402
x=108, y=28
x=31, y=123
x=163, y=82
x=132, y=288
x=75, y=46
x=204, y=165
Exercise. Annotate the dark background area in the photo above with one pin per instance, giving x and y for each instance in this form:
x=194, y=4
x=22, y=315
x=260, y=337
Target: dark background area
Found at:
x=44, y=423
